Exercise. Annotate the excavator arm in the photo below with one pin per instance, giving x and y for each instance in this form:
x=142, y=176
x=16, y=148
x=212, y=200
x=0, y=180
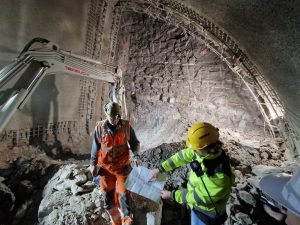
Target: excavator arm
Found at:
x=41, y=58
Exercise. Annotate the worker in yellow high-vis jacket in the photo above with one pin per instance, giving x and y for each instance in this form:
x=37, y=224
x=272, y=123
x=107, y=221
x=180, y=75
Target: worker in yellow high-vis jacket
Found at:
x=210, y=180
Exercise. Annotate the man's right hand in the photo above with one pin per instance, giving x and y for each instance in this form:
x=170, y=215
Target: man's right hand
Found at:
x=93, y=170
x=153, y=175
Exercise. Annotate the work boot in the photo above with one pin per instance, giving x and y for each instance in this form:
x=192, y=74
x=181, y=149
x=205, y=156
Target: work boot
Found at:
x=127, y=220
x=106, y=200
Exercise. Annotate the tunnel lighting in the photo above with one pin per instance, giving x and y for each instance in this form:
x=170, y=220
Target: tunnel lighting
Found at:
x=274, y=111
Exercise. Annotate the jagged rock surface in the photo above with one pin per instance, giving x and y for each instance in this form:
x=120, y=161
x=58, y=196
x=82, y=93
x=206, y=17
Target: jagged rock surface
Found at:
x=173, y=81
x=21, y=188
x=71, y=198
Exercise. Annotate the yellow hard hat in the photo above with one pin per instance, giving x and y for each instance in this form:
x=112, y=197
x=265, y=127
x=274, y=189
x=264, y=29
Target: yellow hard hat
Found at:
x=202, y=135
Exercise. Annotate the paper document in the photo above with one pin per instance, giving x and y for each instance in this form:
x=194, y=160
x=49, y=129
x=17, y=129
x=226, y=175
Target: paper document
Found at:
x=137, y=182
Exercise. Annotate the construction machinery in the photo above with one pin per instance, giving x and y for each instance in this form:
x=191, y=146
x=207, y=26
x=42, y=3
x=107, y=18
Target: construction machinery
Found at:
x=41, y=58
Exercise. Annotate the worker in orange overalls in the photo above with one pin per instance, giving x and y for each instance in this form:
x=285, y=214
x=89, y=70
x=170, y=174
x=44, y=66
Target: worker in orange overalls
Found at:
x=110, y=156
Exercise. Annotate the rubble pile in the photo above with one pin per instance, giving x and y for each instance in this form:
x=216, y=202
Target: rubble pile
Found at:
x=153, y=157
x=21, y=185
x=40, y=190
x=250, y=162
x=70, y=197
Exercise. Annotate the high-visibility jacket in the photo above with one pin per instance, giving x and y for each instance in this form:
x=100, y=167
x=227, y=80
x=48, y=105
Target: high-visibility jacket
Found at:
x=218, y=184
x=110, y=149
x=114, y=147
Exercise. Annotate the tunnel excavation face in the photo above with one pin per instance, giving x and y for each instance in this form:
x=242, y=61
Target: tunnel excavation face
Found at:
x=172, y=81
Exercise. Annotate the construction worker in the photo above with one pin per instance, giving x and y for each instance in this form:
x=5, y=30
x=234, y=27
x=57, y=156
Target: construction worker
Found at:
x=110, y=157
x=210, y=180
x=283, y=189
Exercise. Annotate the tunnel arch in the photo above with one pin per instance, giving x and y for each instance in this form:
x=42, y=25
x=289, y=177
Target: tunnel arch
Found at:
x=219, y=42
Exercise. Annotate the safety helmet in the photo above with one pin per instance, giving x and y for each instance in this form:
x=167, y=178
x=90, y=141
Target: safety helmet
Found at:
x=112, y=109
x=202, y=135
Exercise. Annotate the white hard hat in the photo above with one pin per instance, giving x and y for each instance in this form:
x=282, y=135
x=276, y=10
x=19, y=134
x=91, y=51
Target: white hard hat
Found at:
x=283, y=188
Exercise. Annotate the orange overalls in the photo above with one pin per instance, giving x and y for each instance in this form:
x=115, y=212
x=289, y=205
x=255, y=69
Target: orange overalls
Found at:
x=114, y=159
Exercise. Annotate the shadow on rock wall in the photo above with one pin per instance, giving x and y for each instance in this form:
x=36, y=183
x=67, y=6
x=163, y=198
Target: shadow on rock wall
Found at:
x=45, y=116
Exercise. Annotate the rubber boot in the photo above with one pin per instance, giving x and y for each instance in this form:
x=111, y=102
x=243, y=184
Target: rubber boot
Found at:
x=108, y=199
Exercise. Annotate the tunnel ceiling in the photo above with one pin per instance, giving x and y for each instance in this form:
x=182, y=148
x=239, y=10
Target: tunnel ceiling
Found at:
x=267, y=33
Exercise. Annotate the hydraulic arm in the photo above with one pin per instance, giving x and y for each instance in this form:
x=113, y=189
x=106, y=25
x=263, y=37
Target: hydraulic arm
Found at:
x=19, y=79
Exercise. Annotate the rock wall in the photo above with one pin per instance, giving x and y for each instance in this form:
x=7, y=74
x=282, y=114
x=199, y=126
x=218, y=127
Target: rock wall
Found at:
x=62, y=111
x=59, y=116
x=173, y=81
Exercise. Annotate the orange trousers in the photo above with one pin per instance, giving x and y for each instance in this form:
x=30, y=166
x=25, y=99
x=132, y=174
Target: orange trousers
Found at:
x=108, y=179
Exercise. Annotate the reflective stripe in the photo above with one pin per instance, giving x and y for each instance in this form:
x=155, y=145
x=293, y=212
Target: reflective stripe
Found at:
x=180, y=154
x=115, y=216
x=197, y=198
x=171, y=163
x=195, y=156
x=184, y=193
x=118, y=148
x=105, y=148
x=192, y=185
x=211, y=214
